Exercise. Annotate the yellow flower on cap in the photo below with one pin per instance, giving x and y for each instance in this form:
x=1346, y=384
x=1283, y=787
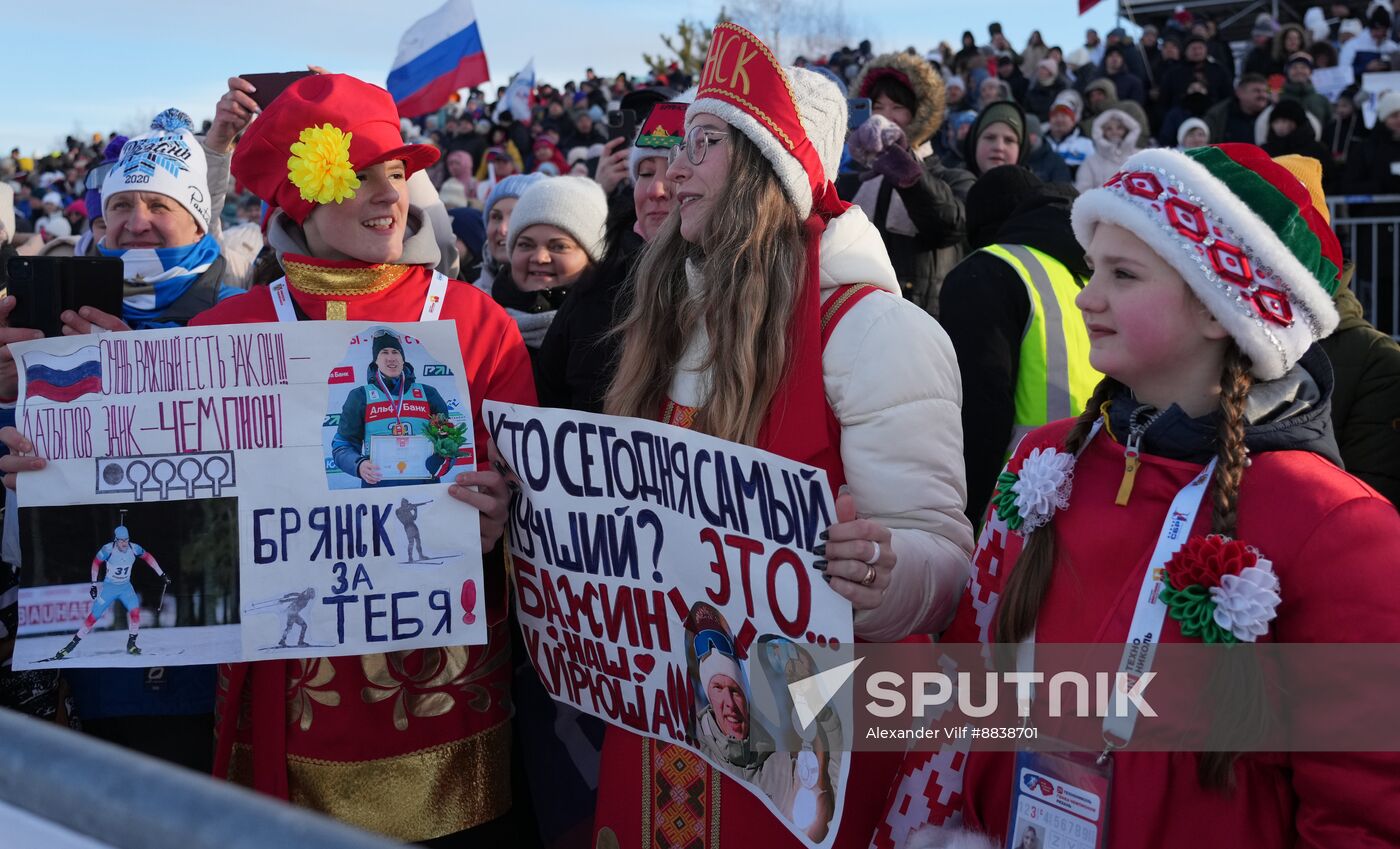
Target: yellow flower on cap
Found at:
x=320, y=165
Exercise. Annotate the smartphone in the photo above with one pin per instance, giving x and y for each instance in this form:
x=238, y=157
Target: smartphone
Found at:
x=270, y=85
x=45, y=286
x=857, y=111
x=622, y=124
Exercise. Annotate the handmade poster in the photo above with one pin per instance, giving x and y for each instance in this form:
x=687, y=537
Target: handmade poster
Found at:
x=210, y=495
x=664, y=582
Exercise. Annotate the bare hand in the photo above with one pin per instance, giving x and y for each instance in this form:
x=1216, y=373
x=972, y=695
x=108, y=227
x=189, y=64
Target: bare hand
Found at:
x=232, y=115
x=21, y=457
x=612, y=165
x=369, y=472
x=9, y=374
x=491, y=498
x=850, y=544
x=90, y=320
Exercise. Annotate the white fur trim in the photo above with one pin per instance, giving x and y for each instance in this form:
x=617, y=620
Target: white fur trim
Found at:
x=790, y=172
x=1272, y=348
x=945, y=837
x=822, y=111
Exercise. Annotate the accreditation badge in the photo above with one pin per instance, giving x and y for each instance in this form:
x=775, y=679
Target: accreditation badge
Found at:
x=1059, y=800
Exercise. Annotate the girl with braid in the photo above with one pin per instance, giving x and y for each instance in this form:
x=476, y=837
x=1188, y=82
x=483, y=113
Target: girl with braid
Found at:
x=1204, y=463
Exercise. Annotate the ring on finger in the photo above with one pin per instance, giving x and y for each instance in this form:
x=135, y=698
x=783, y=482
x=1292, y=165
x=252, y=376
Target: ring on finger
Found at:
x=874, y=557
x=869, y=575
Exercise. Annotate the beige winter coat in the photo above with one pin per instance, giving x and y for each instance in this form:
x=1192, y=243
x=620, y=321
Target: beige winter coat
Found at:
x=1108, y=156
x=892, y=381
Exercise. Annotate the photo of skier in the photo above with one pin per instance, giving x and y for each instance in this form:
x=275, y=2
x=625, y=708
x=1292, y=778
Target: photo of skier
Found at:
x=119, y=556
x=395, y=429
x=407, y=513
x=139, y=584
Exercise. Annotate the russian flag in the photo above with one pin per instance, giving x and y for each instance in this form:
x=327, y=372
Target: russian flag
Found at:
x=438, y=55
x=63, y=378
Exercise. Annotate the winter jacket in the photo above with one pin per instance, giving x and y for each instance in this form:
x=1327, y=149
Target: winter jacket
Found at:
x=891, y=379
x=1331, y=539
x=1312, y=100
x=1041, y=96
x=922, y=226
x=986, y=310
x=1340, y=134
x=1108, y=156
x=1129, y=86
x=1048, y=165
x=1229, y=123
x=1073, y=148
x=1302, y=141
x=576, y=362
x=1179, y=79
x=1366, y=402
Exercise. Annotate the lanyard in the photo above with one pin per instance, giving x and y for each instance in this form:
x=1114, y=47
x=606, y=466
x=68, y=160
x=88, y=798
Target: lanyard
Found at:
x=432, y=302
x=1145, y=631
x=403, y=387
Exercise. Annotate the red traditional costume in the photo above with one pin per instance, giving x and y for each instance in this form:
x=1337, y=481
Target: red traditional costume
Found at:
x=412, y=744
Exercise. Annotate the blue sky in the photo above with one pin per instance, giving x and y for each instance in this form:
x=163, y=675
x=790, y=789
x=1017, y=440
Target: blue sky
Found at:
x=98, y=66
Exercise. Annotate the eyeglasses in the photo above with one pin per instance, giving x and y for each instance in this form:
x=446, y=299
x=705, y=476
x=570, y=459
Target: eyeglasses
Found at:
x=695, y=144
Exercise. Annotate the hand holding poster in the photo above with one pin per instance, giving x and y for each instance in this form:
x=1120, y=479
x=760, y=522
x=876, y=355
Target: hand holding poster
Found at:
x=664, y=582
x=218, y=488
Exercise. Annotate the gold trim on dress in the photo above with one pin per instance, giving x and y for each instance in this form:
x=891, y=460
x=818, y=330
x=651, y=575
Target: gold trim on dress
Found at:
x=418, y=796
x=326, y=280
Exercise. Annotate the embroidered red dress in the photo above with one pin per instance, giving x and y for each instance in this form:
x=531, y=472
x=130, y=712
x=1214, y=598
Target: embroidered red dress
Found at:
x=412, y=744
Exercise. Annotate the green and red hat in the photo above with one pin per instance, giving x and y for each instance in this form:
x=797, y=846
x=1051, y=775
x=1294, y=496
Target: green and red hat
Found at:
x=1244, y=233
x=663, y=129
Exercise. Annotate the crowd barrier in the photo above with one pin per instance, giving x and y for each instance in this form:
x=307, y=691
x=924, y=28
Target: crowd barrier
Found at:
x=64, y=790
x=1367, y=227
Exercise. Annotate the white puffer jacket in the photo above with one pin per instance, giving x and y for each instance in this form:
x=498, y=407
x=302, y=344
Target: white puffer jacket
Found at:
x=892, y=381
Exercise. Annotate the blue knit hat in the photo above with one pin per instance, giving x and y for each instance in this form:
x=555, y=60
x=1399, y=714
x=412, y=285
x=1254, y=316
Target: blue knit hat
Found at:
x=511, y=187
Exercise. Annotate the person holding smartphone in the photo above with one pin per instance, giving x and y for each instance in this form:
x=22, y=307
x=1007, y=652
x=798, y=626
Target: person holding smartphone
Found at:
x=905, y=190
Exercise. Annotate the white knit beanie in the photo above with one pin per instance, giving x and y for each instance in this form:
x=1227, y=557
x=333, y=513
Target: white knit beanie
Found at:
x=820, y=108
x=166, y=161
x=1389, y=104
x=716, y=662
x=575, y=205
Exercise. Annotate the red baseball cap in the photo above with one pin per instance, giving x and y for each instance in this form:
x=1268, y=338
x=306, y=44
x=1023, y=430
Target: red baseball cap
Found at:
x=365, y=113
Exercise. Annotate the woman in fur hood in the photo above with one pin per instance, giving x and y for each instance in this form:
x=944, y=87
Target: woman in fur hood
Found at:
x=914, y=201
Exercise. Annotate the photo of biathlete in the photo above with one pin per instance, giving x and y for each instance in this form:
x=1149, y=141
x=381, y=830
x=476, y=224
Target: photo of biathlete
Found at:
x=119, y=557
x=394, y=430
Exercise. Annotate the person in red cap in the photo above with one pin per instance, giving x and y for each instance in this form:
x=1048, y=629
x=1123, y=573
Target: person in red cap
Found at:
x=767, y=312
x=327, y=155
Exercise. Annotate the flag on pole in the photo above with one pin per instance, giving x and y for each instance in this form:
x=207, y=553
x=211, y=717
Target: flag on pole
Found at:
x=438, y=55
x=519, y=94
x=1086, y=5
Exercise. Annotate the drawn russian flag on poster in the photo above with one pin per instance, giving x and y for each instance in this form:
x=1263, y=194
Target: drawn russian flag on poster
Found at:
x=63, y=378
x=438, y=55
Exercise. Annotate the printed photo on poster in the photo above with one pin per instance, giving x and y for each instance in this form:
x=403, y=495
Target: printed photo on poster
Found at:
x=136, y=584
x=394, y=416
x=198, y=456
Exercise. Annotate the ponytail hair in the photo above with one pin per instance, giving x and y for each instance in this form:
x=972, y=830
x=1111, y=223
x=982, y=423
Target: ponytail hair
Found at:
x=1237, y=672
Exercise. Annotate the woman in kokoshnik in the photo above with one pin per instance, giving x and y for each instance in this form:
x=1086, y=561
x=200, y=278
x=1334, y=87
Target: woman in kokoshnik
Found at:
x=413, y=744
x=725, y=335
x=1213, y=274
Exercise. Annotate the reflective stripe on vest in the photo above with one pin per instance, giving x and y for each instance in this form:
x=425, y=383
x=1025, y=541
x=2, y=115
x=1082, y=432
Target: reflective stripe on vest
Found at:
x=1053, y=378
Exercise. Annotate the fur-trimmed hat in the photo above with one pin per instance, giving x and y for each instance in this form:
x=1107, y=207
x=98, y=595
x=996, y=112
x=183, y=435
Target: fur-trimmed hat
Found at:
x=796, y=118
x=919, y=77
x=1244, y=233
x=575, y=205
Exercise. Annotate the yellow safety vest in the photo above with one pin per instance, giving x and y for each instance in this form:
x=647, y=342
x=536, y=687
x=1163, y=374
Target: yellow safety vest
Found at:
x=1053, y=379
